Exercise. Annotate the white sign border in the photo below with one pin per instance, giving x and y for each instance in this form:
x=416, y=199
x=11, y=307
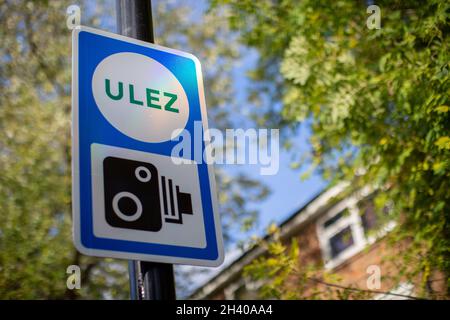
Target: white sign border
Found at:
x=75, y=162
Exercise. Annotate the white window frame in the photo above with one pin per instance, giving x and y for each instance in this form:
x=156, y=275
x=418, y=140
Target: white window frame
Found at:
x=230, y=291
x=352, y=220
x=404, y=288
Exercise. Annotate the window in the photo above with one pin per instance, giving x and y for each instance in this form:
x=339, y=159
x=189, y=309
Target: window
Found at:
x=347, y=228
x=369, y=217
x=334, y=219
x=375, y=224
x=341, y=241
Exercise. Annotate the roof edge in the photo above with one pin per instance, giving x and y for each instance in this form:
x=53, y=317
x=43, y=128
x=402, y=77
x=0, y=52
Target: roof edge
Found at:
x=311, y=209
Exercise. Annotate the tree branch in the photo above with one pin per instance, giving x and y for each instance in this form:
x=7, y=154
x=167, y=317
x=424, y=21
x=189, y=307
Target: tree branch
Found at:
x=363, y=290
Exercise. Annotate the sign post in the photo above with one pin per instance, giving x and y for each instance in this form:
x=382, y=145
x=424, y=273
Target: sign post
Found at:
x=134, y=19
x=137, y=193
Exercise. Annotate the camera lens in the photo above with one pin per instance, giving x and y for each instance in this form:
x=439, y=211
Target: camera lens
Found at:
x=118, y=211
x=131, y=194
x=142, y=174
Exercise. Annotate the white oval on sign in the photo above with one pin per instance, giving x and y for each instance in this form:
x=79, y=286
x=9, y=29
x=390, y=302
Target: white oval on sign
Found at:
x=140, y=97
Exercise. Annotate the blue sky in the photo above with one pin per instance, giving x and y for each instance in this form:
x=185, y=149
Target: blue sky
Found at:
x=289, y=192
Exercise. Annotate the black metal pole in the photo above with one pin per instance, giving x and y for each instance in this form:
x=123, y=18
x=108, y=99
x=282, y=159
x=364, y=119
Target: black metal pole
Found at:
x=134, y=19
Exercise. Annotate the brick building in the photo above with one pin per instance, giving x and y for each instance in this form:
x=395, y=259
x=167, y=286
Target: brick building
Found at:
x=341, y=233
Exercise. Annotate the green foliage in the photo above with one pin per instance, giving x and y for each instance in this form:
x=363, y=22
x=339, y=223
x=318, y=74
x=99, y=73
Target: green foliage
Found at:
x=285, y=276
x=35, y=161
x=377, y=101
x=35, y=194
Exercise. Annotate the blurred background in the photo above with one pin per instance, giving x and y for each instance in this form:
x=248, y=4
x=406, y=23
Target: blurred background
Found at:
x=359, y=91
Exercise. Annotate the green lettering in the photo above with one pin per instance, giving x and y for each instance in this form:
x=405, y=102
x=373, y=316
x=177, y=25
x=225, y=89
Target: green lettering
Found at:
x=151, y=98
x=173, y=98
x=132, y=99
x=108, y=90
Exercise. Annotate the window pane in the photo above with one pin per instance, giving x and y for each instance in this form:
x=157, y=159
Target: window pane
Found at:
x=333, y=219
x=369, y=217
x=341, y=241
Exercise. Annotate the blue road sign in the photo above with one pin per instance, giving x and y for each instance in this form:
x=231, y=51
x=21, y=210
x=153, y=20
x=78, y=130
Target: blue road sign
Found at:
x=132, y=198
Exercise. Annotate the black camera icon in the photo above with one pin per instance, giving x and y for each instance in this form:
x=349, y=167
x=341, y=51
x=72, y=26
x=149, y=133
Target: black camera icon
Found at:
x=132, y=196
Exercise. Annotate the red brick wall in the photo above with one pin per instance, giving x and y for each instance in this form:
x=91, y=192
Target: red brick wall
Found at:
x=353, y=272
